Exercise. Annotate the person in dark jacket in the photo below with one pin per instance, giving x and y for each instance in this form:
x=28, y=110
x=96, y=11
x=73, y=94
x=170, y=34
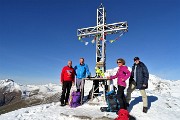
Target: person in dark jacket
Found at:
x=138, y=80
x=67, y=79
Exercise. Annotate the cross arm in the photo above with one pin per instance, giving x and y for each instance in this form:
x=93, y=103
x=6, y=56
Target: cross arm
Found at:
x=113, y=28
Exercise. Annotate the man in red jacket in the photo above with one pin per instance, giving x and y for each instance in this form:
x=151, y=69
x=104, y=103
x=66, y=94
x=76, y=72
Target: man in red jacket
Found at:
x=67, y=79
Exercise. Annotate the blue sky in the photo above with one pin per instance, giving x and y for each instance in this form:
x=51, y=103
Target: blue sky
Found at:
x=38, y=37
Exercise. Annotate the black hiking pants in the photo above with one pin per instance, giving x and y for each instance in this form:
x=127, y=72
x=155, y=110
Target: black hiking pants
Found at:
x=65, y=91
x=121, y=97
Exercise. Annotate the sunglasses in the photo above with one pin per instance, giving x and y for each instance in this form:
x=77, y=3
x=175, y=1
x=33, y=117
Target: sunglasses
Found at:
x=119, y=62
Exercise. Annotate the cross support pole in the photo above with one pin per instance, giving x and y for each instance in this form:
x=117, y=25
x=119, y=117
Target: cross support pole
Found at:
x=103, y=80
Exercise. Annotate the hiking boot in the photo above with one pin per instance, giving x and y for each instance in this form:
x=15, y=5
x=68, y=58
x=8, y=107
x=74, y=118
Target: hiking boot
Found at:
x=116, y=112
x=145, y=109
x=62, y=104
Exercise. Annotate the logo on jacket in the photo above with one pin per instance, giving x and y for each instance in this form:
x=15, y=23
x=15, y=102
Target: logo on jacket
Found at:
x=69, y=72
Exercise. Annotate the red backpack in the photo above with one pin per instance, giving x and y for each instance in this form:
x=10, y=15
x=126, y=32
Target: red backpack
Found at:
x=122, y=115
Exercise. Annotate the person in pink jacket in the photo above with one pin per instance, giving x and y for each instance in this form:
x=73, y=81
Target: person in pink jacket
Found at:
x=122, y=75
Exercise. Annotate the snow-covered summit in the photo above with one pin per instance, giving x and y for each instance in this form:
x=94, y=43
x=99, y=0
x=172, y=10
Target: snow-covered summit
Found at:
x=9, y=85
x=163, y=98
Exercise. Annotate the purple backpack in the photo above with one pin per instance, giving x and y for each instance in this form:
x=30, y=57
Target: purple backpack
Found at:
x=75, y=99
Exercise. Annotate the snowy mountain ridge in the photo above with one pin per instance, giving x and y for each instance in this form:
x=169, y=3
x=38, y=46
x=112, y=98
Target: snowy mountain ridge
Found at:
x=9, y=85
x=156, y=84
x=27, y=90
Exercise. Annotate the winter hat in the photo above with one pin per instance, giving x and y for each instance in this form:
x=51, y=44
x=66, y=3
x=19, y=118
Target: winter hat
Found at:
x=136, y=58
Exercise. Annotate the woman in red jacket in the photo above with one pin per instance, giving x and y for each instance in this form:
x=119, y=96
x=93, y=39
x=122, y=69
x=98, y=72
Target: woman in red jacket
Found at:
x=67, y=79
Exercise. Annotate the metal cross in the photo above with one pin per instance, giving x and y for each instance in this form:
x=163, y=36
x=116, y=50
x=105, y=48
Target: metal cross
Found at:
x=99, y=33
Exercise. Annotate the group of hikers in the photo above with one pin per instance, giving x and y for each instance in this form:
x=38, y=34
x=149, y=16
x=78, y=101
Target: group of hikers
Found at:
x=68, y=78
x=138, y=79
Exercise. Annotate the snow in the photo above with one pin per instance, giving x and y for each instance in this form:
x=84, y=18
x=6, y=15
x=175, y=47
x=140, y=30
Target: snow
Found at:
x=9, y=85
x=163, y=99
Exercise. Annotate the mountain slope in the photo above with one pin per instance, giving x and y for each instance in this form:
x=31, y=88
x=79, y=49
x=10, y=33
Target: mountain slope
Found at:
x=14, y=96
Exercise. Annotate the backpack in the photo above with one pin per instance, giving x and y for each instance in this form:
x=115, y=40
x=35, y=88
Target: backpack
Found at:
x=74, y=99
x=122, y=115
x=112, y=102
